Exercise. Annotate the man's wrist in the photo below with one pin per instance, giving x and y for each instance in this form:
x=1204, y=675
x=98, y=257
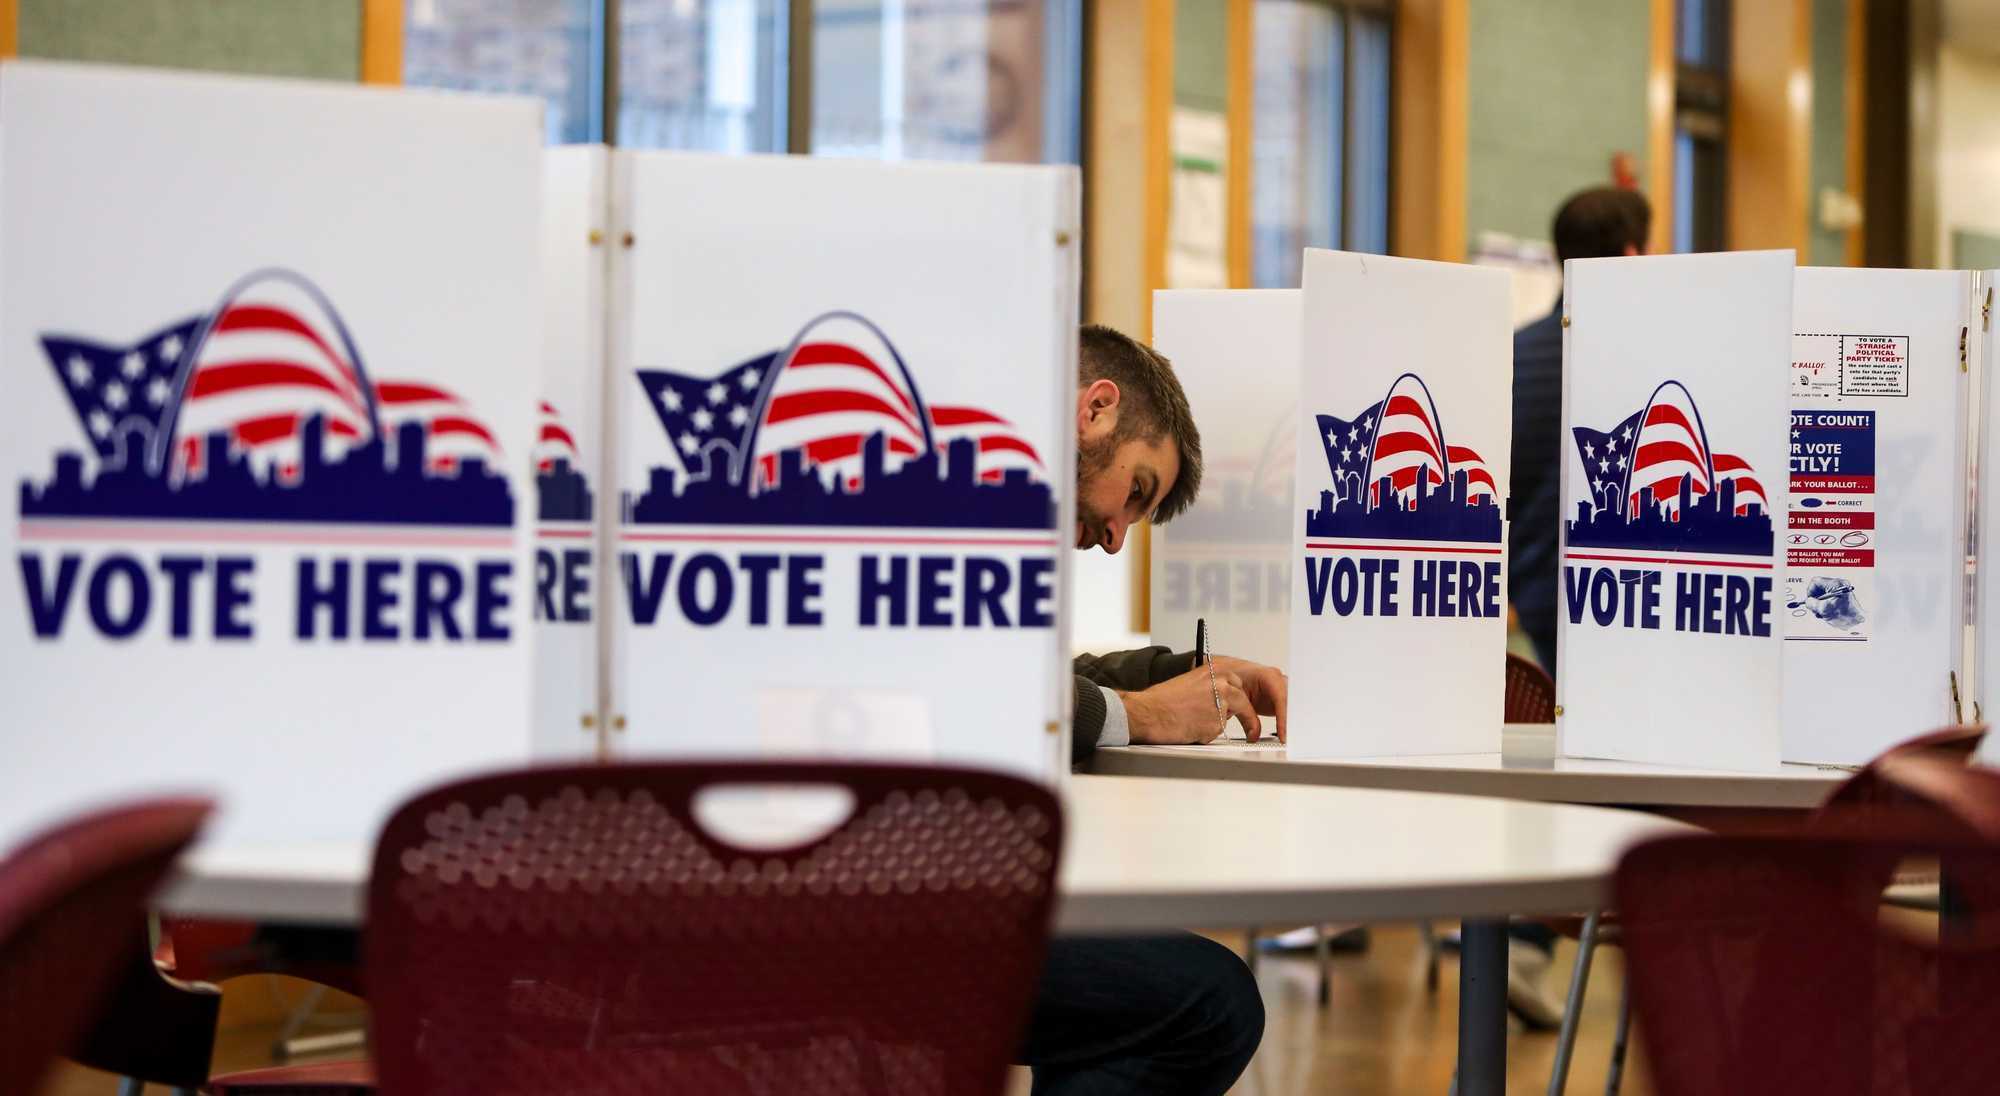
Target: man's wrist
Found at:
x=1138, y=715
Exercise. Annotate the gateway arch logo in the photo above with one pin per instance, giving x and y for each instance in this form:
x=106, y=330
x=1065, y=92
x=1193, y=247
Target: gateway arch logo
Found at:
x=1395, y=476
x=263, y=410
x=1656, y=484
x=833, y=430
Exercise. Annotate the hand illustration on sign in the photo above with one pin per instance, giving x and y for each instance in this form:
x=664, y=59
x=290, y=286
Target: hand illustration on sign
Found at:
x=1831, y=600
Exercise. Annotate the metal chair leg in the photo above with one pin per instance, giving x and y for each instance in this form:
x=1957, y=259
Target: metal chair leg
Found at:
x=1250, y=948
x=1617, y=1074
x=1432, y=951
x=1579, y=980
x=1323, y=953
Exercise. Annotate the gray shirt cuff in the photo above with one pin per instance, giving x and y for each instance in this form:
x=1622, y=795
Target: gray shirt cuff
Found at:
x=1116, y=731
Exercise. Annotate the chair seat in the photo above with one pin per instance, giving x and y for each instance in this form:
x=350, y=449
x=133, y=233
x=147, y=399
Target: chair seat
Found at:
x=1913, y=896
x=347, y=1078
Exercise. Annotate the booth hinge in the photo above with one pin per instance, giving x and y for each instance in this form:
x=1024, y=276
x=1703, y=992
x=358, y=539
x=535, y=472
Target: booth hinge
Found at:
x=1962, y=335
x=1986, y=311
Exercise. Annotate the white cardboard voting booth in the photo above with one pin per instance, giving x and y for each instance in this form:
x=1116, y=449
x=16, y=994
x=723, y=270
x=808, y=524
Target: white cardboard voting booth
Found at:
x=1399, y=606
x=1227, y=559
x=569, y=582
x=1983, y=348
x=1670, y=634
x=270, y=356
x=845, y=398
x=1874, y=538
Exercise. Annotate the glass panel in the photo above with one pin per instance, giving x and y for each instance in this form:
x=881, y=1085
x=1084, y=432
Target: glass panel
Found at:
x=702, y=74
x=944, y=79
x=533, y=47
x=1295, y=136
x=1703, y=36
x=1368, y=145
x=1698, y=193
x=1683, y=192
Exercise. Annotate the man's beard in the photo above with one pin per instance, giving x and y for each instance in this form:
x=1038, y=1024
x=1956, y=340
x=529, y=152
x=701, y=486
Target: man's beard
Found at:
x=1092, y=458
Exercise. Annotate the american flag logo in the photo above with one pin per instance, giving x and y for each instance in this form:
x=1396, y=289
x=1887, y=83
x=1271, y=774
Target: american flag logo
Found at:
x=231, y=413
x=1654, y=482
x=553, y=441
x=833, y=429
x=1396, y=476
x=562, y=483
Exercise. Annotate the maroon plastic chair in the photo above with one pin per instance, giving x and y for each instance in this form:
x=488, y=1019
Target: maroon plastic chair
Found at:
x=1850, y=804
x=1762, y=964
x=69, y=900
x=1531, y=692
x=577, y=930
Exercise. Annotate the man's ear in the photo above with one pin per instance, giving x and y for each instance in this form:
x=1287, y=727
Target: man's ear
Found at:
x=1096, y=409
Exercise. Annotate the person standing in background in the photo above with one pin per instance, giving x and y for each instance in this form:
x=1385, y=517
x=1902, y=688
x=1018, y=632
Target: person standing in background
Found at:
x=1594, y=223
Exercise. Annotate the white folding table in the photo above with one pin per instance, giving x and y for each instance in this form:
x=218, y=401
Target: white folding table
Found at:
x=1147, y=855
x=1525, y=768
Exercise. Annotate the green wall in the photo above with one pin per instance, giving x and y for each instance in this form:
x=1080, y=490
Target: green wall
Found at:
x=1553, y=88
x=1201, y=54
x=1974, y=250
x=309, y=38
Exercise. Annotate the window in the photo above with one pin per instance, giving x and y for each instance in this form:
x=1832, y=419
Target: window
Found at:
x=702, y=74
x=946, y=79
x=900, y=79
x=1319, y=161
x=544, y=48
x=1701, y=111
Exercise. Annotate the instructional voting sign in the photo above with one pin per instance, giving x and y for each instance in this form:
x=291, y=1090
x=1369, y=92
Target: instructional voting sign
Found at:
x=1874, y=534
x=1399, y=601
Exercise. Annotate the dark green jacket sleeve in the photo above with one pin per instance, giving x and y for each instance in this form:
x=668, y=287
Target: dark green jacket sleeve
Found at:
x=1125, y=671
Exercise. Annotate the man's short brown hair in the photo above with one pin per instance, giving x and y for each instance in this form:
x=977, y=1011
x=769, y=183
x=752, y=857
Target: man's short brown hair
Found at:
x=1600, y=222
x=1151, y=404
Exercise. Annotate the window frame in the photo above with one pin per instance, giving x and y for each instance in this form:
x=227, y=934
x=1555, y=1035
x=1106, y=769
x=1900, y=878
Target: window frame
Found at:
x=1063, y=76
x=1350, y=15
x=1701, y=117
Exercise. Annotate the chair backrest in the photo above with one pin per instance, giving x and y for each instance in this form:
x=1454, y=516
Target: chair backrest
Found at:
x=1872, y=786
x=1531, y=692
x=1762, y=964
x=70, y=901
x=580, y=930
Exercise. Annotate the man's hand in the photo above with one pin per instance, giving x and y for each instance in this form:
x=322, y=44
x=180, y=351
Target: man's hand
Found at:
x=1181, y=710
x=1264, y=685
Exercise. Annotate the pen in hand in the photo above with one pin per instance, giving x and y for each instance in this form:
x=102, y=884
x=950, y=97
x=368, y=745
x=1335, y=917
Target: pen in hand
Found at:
x=1201, y=658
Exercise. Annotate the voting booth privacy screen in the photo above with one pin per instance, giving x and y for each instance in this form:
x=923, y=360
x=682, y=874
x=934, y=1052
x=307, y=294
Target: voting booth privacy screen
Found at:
x=1874, y=532
x=1675, y=398
x=1399, y=626
x=569, y=452
x=270, y=352
x=1984, y=349
x=845, y=399
x=1227, y=559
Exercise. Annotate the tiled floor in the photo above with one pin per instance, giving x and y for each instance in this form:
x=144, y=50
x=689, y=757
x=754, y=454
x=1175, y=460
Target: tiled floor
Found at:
x=1382, y=1033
